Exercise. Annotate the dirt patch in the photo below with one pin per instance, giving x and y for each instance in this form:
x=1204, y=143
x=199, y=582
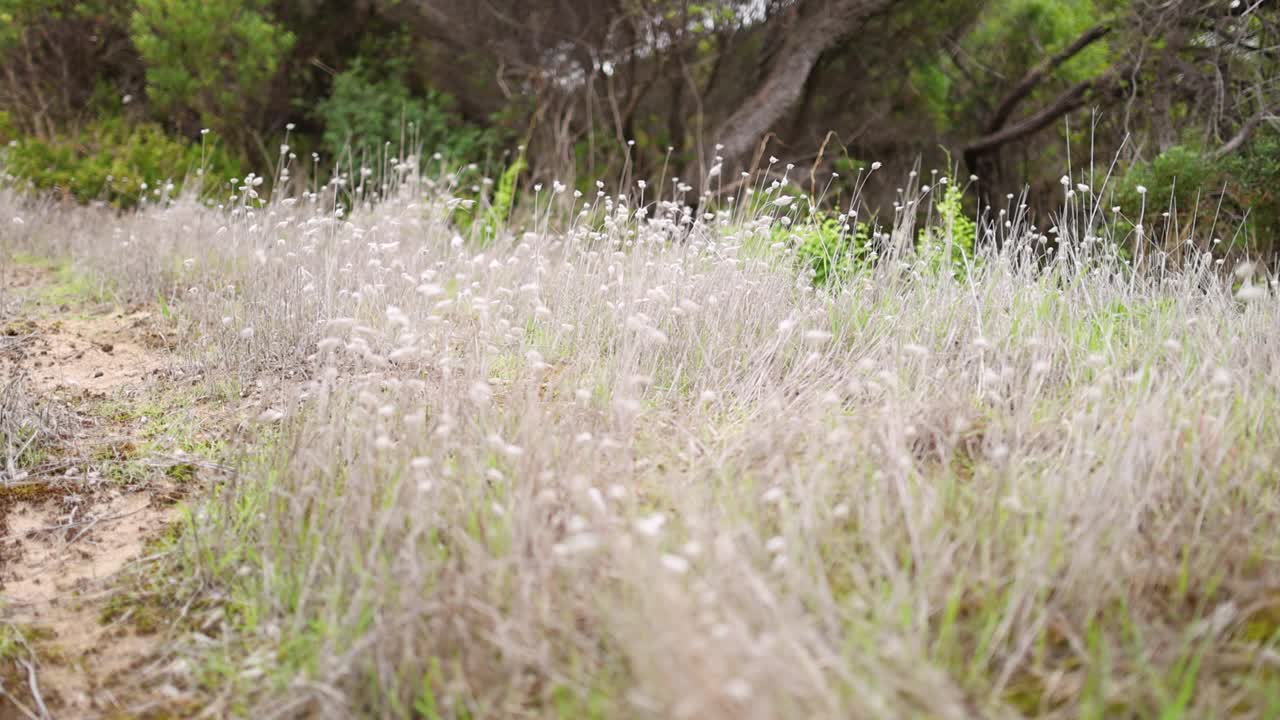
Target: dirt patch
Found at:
x=16, y=276
x=55, y=549
x=66, y=534
x=97, y=354
x=61, y=560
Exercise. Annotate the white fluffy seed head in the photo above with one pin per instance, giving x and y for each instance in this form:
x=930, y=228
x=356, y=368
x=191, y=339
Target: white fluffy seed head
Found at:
x=480, y=393
x=651, y=526
x=675, y=563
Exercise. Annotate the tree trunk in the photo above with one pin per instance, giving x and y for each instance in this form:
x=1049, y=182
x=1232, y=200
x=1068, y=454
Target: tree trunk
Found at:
x=821, y=25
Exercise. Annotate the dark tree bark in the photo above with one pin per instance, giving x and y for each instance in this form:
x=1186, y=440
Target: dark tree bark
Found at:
x=819, y=26
x=1242, y=136
x=981, y=154
x=1070, y=100
x=1037, y=74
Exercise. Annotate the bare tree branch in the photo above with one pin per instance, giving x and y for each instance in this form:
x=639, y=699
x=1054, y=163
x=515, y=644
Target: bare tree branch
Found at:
x=1070, y=100
x=1240, y=138
x=1037, y=75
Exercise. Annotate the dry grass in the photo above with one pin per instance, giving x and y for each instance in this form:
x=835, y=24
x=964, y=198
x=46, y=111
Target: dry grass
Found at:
x=637, y=467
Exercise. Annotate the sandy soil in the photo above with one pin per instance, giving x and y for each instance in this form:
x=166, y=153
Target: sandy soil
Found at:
x=98, y=354
x=66, y=536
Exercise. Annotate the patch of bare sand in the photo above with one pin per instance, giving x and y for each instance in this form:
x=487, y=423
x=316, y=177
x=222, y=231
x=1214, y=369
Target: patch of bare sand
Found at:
x=60, y=563
x=17, y=276
x=61, y=555
x=97, y=354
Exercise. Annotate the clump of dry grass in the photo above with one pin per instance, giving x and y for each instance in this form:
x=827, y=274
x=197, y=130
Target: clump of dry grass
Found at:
x=630, y=464
x=28, y=427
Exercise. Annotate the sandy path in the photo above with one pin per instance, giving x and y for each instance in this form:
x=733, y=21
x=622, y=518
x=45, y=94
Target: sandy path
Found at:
x=66, y=533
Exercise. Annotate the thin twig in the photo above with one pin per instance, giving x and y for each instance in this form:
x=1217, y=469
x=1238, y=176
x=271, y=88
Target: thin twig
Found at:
x=34, y=684
x=151, y=558
x=82, y=533
x=91, y=522
x=22, y=708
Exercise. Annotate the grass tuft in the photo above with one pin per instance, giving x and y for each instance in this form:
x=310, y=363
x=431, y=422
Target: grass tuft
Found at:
x=629, y=460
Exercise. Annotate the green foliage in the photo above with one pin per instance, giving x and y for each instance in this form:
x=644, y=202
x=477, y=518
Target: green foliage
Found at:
x=954, y=220
x=1252, y=178
x=1007, y=38
x=1239, y=191
x=56, y=54
x=829, y=248
x=208, y=58
x=933, y=85
x=113, y=161
x=504, y=197
x=953, y=231
x=1022, y=32
x=10, y=22
x=371, y=105
x=469, y=217
x=1173, y=180
x=17, y=16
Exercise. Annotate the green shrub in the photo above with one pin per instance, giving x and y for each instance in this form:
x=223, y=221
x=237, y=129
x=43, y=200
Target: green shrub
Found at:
x=1253, y=182
x=208, y=60
x=373, y=104
x=1240, y=191
x=829, y=248
x=496, y=215
x=952, y=228
x=1176, y=178
x=19, y=16
x=115, y=162
x=55, y=54
x=504, y=197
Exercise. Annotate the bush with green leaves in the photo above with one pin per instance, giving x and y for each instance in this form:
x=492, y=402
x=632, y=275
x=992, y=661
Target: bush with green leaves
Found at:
x=209, y=61
x=27, y=21
x=373, y=104
x=484, y=217
x=951, y=237
x=1240, y=192
x=1175, y=180
x=829, y=247
x=1252, y=177
x=115, y=162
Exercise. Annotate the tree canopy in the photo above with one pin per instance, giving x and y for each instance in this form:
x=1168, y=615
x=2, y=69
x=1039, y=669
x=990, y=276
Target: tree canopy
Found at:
x=1015, y=92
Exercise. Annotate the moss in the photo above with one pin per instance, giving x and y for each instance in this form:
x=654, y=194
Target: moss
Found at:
x=117, y=451
x=18, y=328
x=1028, y=695
x=144, y=615
x=29, y=492
x=16, y=640
x=20, y=642
x=1263, y=625
x=163, y=421
x=12, y=495
x=164, y=540
x=183, y=472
